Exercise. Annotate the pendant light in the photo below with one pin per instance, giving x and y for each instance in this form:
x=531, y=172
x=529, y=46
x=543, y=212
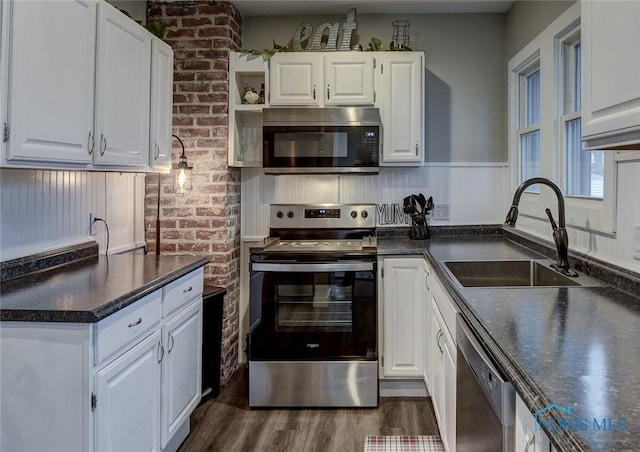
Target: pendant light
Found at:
x=182, y=181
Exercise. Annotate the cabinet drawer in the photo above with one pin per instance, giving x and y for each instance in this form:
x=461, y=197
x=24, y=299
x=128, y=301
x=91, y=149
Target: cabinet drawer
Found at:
x=120, y=331
x=182, y=290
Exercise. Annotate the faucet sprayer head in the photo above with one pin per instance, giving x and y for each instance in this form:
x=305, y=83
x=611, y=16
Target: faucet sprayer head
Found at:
x=512, y=216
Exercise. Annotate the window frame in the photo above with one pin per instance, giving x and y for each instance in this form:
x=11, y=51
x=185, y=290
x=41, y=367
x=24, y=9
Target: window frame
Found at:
x=589, y=214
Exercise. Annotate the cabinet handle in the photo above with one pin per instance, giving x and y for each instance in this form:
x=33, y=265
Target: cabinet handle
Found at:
x=103, y=150
x=416, y=147
x=137, y=322
x=172, y=341
x=328, y=93
x=160, y=351
x=426, y=280
x=187, y=290
x=438, y=337
x=529, y=443
x=157, y=151
x=91, y=143
x=314, y=92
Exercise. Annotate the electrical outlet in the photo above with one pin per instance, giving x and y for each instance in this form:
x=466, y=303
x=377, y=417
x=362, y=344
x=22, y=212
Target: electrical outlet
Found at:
x=441, y=212
x=91, y=221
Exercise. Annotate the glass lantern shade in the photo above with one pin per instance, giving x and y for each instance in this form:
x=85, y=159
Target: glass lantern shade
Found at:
x=182, y=181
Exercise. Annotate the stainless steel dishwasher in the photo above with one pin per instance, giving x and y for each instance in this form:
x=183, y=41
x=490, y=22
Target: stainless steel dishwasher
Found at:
x=485, y=401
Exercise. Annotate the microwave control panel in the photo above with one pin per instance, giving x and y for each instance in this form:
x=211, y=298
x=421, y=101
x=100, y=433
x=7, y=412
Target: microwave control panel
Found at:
x=370, y=143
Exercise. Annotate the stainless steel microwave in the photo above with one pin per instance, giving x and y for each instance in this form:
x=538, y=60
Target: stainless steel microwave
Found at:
x=321, y=140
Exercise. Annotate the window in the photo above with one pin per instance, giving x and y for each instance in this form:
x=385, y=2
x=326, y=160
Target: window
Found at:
x=529, y=123
x=544, y=123
x=584, y=170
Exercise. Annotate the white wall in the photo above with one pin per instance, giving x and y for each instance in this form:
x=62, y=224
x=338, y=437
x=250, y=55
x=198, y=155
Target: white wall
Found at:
x=42, y=210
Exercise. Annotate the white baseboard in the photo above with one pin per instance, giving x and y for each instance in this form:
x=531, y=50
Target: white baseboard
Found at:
x=402, y=388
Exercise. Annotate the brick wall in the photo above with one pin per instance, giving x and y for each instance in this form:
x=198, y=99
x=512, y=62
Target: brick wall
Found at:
x=207, y=222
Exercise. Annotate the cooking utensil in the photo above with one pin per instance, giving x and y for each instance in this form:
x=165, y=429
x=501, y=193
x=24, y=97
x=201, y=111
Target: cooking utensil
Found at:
x=409, y=205
x=422, y=201
x=430, y=204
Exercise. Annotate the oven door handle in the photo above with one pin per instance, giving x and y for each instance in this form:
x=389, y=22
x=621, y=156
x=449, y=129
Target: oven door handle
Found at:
x=310, y=267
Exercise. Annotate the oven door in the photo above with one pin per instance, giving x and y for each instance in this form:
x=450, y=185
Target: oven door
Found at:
x=313, y=310
x=320, y=149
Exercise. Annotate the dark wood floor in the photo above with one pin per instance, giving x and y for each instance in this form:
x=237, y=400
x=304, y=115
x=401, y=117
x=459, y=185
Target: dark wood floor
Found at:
x=228, y=424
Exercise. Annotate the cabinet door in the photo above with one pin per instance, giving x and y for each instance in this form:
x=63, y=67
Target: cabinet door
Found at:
x=403, y=315
x=127, y=415
x=160, y=144
x=52, y=64
x=528, y=438
x=348, y=79
x=295, y=79
x=402, y=108
x=610, y=68
x=427, y=328
x=181, y=368
x=437, y=371
x=449, y=361
x=123, y=85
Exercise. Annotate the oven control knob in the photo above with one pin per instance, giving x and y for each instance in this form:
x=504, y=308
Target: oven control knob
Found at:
x=279, y=214
x=354, y=214
x=290, y=214
x=364, y=214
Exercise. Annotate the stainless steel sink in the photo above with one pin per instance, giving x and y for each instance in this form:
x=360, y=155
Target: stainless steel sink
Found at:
x=513, y=273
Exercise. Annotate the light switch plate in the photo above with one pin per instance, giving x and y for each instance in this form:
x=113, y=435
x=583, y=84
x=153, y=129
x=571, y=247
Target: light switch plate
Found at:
x=636, y=234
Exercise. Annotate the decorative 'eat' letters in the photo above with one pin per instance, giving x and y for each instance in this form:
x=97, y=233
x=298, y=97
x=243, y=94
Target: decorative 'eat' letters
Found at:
x=305, y=30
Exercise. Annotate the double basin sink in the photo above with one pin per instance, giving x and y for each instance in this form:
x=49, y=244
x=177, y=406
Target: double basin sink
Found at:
x=513, y=273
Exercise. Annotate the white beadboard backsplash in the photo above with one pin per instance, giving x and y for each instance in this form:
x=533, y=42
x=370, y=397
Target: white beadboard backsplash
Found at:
x=43, y=210
x=476, y=193
x=618, y=250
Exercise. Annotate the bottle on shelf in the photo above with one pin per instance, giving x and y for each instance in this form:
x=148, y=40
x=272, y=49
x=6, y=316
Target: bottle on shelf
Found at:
x=261, y=94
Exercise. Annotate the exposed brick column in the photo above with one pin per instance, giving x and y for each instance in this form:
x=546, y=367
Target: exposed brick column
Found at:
x=207, y=222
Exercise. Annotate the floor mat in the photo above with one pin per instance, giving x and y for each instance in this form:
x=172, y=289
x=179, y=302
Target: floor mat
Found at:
x=421, y=443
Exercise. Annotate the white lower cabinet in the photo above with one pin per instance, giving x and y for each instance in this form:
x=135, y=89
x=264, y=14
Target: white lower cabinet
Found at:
x=181, y=368
x=127, y=383
x=402, y=311
x=528, y=438
x=441, y=343
x=127, y=416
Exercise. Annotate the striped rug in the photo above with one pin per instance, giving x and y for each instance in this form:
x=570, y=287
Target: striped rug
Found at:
x=421, y=443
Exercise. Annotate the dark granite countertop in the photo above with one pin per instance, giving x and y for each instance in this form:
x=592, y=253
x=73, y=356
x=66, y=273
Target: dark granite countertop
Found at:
x=566, y=346
x=90, y=289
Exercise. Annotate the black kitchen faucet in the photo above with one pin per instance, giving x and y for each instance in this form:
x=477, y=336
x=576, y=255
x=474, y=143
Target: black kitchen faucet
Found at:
x=559, y=232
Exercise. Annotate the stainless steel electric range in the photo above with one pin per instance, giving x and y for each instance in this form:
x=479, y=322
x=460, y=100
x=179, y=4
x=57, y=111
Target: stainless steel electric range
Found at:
x=313, y=309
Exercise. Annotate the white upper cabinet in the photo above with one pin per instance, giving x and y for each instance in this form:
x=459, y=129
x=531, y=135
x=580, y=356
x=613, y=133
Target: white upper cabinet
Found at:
x=123, y=85
x=160, y=139
x=51, y=89
x=77, y=82
x=296, y=79
x=348, y=78
x=401, y=75
x=245, y=120
x=610, y=74
x=317, y=79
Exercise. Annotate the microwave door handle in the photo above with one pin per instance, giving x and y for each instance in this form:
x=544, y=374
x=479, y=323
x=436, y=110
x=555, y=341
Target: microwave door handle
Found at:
x=312, y=267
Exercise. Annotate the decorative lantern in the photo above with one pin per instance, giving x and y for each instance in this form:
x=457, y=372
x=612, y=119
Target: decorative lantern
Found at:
x=182, y=182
